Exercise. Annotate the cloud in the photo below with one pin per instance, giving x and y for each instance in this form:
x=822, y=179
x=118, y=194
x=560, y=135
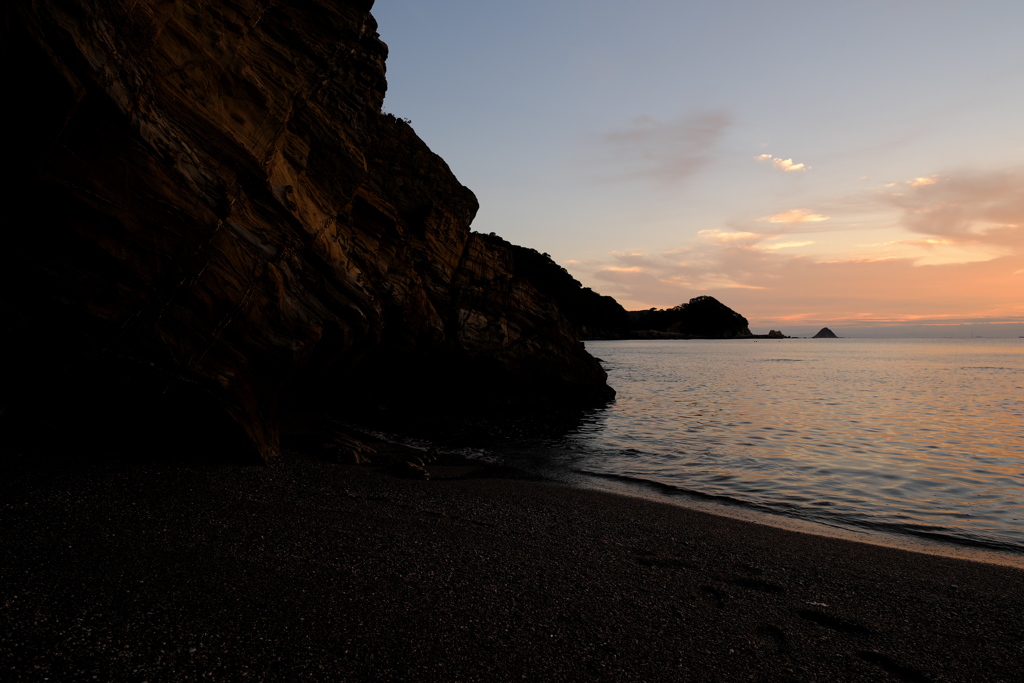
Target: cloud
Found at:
x=786, y=245
x=945, y=247
x=784, y=165
x=794, y=216
x=721, y=237
x=749, y=240
x=665, y=151
x=930, y=242
x=965, y=208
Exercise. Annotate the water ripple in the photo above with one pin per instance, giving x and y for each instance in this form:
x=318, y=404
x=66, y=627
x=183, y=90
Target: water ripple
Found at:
x=921, y=437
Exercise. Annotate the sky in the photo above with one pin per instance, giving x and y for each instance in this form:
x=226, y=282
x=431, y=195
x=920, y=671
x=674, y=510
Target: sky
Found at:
x=857, y=164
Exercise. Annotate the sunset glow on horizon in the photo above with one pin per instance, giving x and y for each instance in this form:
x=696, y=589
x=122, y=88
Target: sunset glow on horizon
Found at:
x=857, y=164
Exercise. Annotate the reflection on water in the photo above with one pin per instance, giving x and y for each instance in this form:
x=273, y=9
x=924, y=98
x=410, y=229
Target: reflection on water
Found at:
x=914, y=436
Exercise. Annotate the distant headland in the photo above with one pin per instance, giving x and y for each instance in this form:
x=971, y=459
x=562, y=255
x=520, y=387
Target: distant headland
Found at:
x=597, y=316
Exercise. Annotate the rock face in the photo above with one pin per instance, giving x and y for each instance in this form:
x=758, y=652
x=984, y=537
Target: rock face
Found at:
x=217, y=220
x=594, y=315
x=825, y=333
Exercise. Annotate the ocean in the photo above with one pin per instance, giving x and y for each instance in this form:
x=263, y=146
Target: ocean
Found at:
x=901, y=438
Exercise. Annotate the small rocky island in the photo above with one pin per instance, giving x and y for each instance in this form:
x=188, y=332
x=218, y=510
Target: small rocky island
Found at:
x=825, y=333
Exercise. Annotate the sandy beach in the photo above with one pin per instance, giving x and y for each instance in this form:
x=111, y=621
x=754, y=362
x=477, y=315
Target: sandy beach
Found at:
x=307, y=570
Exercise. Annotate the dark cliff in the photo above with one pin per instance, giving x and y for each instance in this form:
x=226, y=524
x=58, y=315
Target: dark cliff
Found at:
x=217, y=225
x=593, y=314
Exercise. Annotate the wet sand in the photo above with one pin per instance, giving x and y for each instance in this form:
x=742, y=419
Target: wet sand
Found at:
x=305, y=570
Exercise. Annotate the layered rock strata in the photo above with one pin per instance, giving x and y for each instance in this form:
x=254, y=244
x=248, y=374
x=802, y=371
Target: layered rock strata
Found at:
x=218, y=223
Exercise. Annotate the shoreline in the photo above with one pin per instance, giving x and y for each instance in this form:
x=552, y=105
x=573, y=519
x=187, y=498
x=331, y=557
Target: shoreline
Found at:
x=622, y=485
x=973, y=552
x=306, y=570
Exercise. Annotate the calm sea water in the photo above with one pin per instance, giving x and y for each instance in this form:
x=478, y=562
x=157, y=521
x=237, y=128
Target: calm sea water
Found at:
x=919, y=437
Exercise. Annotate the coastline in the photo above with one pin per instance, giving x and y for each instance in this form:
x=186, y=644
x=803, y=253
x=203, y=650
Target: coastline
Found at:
x=310, y=570
x=926, y=545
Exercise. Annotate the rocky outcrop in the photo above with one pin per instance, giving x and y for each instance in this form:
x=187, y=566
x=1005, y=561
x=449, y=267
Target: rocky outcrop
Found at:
x=593, y=314
x=702, y=317
x=217, y=220
x=825, y=333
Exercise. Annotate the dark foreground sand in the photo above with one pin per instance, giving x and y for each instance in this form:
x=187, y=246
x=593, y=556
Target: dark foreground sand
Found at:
x=311, y=571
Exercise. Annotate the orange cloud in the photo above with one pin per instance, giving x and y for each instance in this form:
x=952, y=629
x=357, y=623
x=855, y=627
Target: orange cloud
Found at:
x=962, y=260
x=786, y=245
x=721, y=237
x=794, y=216
x=966, y=208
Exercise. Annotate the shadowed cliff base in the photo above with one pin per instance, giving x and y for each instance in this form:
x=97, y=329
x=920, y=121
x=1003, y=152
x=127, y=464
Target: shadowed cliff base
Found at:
x=224, y=227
